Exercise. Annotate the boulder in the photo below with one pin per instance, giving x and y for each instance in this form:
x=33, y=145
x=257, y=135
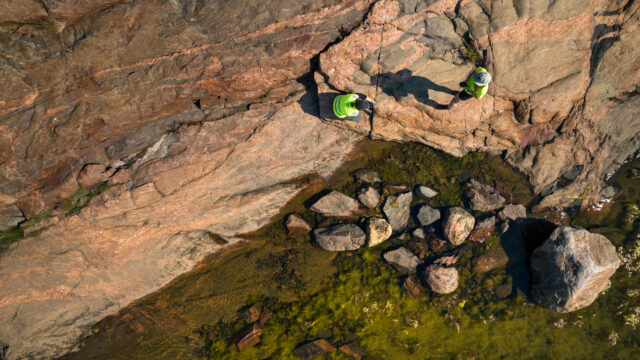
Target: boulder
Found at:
x=396, y=209
x=378, y=230
x=428, y=215
x=369, y=197
x=413, y=287
x=92, y=174
x=337, y=204
x=482, y=197
x=340, y=237
x=457, y=225
x=425, y=192
x=493, y=258
x=571, y=268
x=513, y=212
x=402, y=258
x=312, y=349
x=367, y=176
x=442, y=280
x=297, y=225
x=247, y=338
x=483, y=230
x=11, y=217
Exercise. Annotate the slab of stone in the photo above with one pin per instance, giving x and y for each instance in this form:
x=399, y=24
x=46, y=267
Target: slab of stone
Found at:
x=11, y=217
x=337, y=204
x=248, y=337
x=442, y=280
x=297, y=225
x=428, y=215
x=425, y=192
x=397, y=209
x=378, y=230
x=340, y=237
x=313, y=349
x=367, y=176
x=394, y=188
x=482, y=197
x=457, y=225
x=402, y=258
x=571, y=268
x=369, y=197
x=513, y=212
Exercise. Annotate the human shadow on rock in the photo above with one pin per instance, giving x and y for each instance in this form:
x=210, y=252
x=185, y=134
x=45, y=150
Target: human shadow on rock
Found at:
x=403, y=83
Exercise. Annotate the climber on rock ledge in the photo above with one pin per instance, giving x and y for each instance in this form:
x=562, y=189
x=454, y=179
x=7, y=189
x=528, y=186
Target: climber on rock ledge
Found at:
x=476, y=86
x=348, y=106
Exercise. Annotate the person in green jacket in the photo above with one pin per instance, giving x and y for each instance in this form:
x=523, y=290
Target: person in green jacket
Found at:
x=476, y=86
x=348, y=106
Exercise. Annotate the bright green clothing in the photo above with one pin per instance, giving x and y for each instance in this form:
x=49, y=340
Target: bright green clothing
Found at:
x=472, y=89
x=345, y=105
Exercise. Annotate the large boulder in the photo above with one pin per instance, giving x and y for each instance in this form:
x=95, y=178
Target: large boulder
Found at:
x=442, y=280
x=340, y=237
x=402, y=258
x=482, y=197
x=571, y=268
x=337, y=204
x=396, y=209
x=428, y=215
x=378, y=230
x=457, y=225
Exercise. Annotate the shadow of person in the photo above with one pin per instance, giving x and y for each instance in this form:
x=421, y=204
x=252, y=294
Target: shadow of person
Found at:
x=403, y=83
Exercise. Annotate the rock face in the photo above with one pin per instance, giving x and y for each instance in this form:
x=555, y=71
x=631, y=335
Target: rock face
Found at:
x=337, y=204
x=442, y=280
x=396, y=209
x=571, y=268
x=340, y=237
x=428, y=215
x=482, y=197
x=457, y=225
x=378, y=230
x=402, y=258
x=369, y=197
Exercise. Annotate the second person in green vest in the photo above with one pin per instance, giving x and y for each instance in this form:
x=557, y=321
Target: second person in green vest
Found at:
x=476, y=86
x=348, y=106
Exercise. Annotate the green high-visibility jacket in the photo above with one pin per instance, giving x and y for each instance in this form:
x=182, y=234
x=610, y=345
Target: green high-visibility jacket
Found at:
x=345, y=105
x=472, y=89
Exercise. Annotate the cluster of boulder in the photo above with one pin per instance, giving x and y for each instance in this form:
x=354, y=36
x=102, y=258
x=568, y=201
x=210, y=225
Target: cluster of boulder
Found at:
x=568, y=270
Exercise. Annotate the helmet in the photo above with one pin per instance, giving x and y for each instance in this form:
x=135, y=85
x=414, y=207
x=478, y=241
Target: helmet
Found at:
x=482, y=78
x=363, y=105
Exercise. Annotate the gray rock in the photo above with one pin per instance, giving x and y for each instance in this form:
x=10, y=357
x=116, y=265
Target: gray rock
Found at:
x=457, y=225
x=369, y=197
x=482, y=197
x=296, y=225
x=403, y=258
x=428, y=215
x=573, y=173
x=367, y=176
x=337, y=204
x=396, y=209
x=571, y=268
x=608, y=192
x=378, y=230
x=513, y=212
x=419, y=234
x=340, y=237
x=11, y=217
x=442, y=280
x=425, y=192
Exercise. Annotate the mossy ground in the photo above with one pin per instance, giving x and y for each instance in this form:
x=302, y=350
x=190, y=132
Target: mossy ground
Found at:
x=356, y=297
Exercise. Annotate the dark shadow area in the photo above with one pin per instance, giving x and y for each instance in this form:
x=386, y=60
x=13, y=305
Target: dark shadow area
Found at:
x=403, y=83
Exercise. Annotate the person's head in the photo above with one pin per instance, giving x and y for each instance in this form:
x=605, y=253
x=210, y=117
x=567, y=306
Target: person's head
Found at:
x=482, y=78
x=363, y=104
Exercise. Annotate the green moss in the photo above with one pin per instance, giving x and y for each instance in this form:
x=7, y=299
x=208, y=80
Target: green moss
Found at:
x=7, y=237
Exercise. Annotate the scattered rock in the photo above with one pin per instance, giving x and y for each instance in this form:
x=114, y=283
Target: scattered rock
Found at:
x=493, y=258
x=571, y=268
x=92, y=174
x=428, y=215
x=340, y=237
x=413, y=287
x=121, y=176
x=457, y=225
x=352, y=350
x=248, y=337
x=394, y=188
x=11, y=217
x=483, y=230
x=396, y=209
x=297, y=225
x=513, y=212
x=402, y=258
x=436, y=244
x=482, y=197
x=425, y=192
x=250, y=314
x=442, y=280
x=312, y=349
x=369, y=197
x=337, y=204
x=419, y=234
x=378, y=230
x=452, y=257
x=367, y=176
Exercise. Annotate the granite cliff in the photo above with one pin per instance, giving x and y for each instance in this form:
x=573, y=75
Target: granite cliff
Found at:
x=203, y=118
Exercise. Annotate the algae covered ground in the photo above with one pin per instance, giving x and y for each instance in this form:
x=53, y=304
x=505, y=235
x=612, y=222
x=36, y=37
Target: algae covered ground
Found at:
x=355, y=298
